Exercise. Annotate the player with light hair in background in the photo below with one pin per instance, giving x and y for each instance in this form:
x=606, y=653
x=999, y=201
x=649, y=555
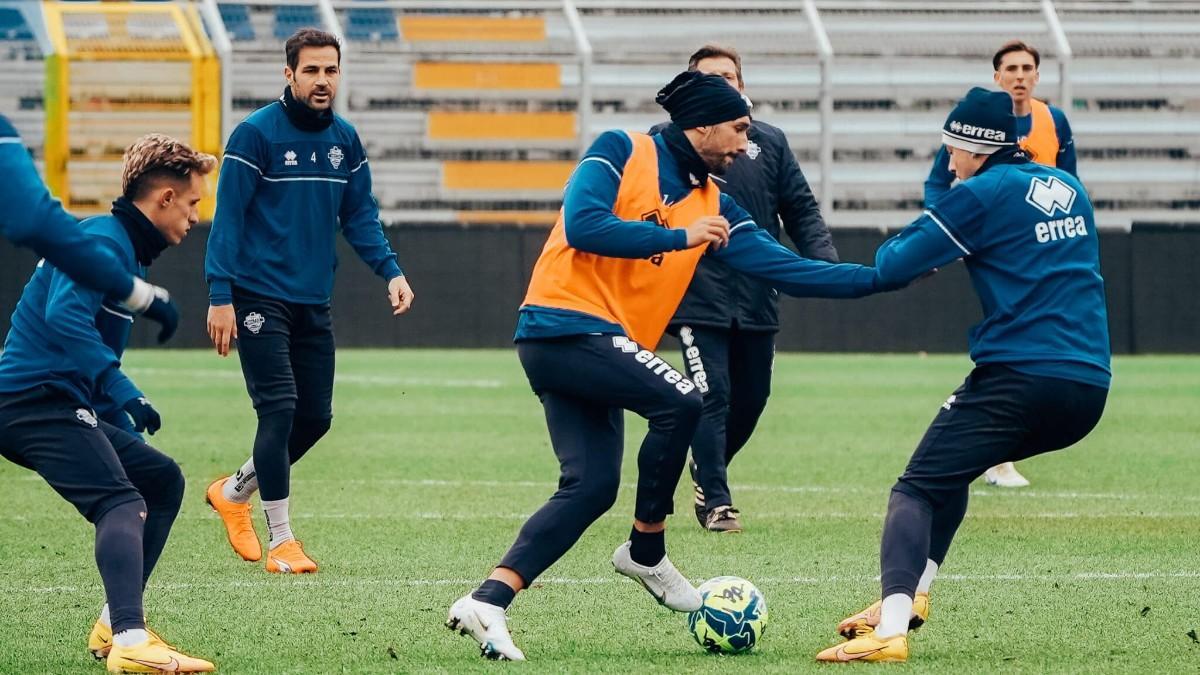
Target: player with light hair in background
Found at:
x=294, y=175
x=1044, y=136
x=59, y=366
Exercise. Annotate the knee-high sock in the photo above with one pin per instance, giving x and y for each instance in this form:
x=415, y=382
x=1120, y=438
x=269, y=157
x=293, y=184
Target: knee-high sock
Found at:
x=162, y=506
x=946, y=519
x=905, y=544
x=271, y=455
x=119, y=559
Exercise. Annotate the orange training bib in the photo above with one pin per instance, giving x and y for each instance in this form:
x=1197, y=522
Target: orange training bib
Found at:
x=640, y=295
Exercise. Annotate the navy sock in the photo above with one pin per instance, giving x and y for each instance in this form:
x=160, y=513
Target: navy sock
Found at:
x=495, y=592
x=119, y=559
x=647, y=548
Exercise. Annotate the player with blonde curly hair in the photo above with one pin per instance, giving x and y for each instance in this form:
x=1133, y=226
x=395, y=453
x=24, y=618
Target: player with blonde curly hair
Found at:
x=61, y=364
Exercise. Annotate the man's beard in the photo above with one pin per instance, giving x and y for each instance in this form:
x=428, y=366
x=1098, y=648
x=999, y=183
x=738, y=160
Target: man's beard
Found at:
x=718, y=165
x=308, y=101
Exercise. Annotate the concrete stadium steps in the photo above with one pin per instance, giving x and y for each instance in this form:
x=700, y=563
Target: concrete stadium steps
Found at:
x=1141, y=184
x=108, y=133
x=903, y=82
x=131, y=82
x=919, y=132
x=21, y=80
x=1148, y=29
x=511, y=129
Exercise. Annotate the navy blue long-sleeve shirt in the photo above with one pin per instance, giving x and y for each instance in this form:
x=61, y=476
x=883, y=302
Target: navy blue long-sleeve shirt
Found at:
x=54, y=339
x=1027, y=234
x=282, y=195
x=34, y=219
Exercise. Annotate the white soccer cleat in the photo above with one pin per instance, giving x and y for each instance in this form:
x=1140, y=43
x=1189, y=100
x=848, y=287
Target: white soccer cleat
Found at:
x=486, y=624
x=1005, y=475
x=670, y=588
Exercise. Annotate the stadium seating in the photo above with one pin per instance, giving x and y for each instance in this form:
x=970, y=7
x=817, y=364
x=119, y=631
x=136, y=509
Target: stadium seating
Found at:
x=237, y=21
x=13, y=26
x=291, y=18
x=474, y=108
x=371, y=24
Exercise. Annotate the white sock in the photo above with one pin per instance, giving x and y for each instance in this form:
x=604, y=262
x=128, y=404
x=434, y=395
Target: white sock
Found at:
x=104, y=617
x=277, y=521
x=131, y=637
x=927, y=576
x=239, y=487
x=894, y=616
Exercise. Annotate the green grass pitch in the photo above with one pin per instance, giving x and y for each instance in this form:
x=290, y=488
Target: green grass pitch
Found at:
x=436, y=457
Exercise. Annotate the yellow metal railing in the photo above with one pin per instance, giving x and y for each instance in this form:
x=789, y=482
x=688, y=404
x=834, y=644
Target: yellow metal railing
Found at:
x=116, y=65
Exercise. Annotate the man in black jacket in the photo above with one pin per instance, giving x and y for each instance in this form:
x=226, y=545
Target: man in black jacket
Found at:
x=727, y=321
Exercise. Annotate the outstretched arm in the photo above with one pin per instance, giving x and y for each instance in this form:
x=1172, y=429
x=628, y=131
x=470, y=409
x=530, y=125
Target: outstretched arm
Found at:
x=31, y=217
x=754, y=252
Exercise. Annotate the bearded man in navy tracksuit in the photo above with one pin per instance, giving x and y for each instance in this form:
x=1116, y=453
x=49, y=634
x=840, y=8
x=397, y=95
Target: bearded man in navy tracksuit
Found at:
x=294, y=174
x=59, y=366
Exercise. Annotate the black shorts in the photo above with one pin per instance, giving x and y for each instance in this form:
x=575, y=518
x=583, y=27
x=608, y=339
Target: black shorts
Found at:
x=999, y=415
x=287, y=354
x=93, y=465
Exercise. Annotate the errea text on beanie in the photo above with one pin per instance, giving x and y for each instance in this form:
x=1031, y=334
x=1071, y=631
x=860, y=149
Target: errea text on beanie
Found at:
x=981, y=123
x=694, y=99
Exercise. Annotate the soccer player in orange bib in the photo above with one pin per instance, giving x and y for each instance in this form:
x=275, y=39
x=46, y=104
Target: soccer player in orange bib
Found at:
x=638, y=214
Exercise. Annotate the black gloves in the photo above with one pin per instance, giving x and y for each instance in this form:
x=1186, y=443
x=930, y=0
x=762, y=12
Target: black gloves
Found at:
x=144, y=416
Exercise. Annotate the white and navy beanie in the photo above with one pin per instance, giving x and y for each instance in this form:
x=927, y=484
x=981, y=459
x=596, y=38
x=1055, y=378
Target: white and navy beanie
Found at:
x=981, y=123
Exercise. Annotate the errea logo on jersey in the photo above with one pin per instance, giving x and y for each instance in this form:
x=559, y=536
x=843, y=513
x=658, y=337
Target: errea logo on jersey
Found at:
x=1050, y=196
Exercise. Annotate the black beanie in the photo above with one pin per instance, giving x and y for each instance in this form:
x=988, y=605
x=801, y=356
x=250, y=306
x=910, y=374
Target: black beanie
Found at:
x=694, y=99
x=982, y=122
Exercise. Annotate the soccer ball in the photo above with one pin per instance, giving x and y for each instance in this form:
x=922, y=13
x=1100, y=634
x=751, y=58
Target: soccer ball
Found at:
x=732, y=618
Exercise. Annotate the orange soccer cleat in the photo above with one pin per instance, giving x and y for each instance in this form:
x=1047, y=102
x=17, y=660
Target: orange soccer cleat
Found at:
x=866, y=620
x=289, y=558
x=867, y=647
x=239, y=526
x=154, y=657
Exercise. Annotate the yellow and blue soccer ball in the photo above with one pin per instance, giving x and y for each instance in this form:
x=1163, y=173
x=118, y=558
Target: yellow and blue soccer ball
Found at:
x=733, y=617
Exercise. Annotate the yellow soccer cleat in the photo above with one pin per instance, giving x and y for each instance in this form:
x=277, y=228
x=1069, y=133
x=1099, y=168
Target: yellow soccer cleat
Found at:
x=867, y=648
x=100, y=639
x=289, y=558
x=149, y=657
x=239, y=526
x=866, y=620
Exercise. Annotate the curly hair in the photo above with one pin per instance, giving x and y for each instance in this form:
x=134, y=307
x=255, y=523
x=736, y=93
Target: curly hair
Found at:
x=155, y=157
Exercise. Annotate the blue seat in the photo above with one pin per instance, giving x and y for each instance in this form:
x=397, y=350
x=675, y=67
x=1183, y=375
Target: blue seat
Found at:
x=291, y=18
x=237, y=22
x=13, y=26
x=373, y=24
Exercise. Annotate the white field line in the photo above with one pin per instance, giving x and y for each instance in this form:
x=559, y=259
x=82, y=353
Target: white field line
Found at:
x=325, y=582
x=880, y=492
x=768, y=515
x=378, y=380
x=792, y=489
